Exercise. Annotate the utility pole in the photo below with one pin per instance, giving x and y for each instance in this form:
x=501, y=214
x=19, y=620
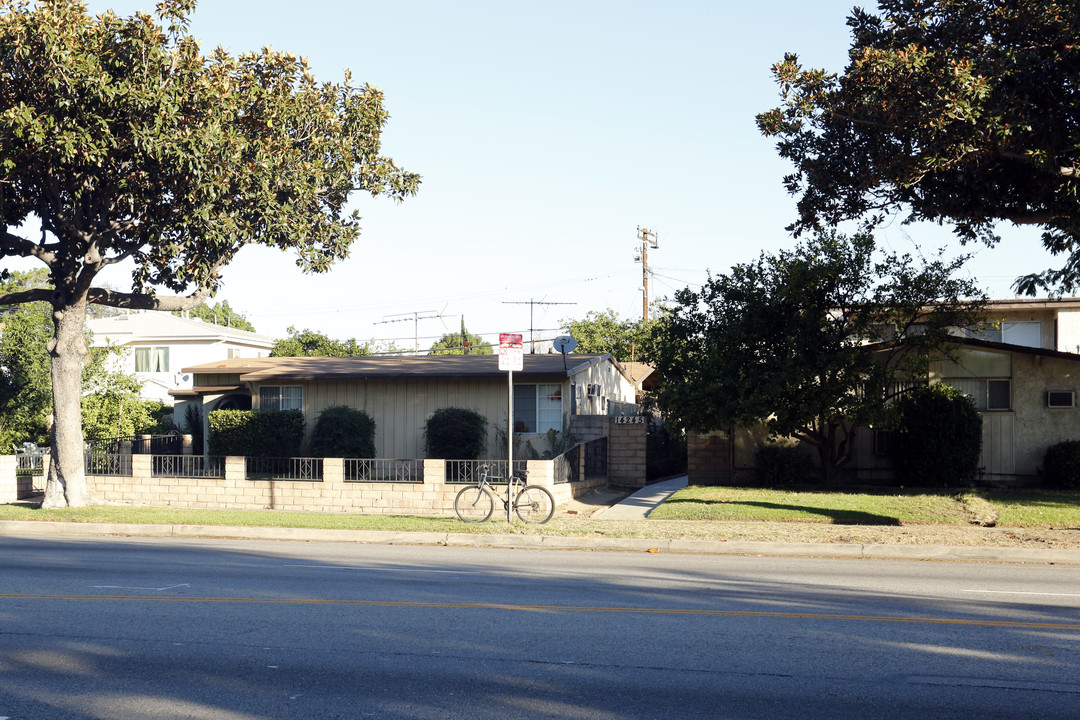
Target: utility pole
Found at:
x=416, y=317
x=531, y=304
x=648, y=239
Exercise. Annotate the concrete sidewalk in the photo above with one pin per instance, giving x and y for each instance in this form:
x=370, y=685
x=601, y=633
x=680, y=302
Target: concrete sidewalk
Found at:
x=641, y=503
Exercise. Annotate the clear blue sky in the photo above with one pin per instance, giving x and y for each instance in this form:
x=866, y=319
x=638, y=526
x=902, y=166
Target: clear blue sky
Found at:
x=546, y=133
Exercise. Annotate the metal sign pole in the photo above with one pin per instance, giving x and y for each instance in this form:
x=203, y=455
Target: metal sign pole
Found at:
x=509, y=438
x=510, y=359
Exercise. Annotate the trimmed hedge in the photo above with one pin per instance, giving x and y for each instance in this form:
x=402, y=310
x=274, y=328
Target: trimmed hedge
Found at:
x=455, y=434
x=254, y=433
x=939, y=438
x=1061, y=465
x=778, y=465
x=343, y=432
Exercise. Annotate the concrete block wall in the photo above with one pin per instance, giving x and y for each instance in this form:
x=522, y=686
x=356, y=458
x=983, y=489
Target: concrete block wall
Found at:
x=626, y=452
x=9, y=482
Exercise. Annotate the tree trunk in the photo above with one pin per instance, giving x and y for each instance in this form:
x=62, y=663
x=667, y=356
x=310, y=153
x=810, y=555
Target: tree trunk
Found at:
x=66, y=486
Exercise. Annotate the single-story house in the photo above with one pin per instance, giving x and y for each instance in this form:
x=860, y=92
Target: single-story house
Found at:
x=401, y=392
x=161, y=344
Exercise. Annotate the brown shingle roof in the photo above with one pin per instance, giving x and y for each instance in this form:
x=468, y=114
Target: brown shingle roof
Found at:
x=388, y=367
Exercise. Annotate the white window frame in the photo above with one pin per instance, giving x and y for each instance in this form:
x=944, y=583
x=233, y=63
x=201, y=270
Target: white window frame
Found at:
x=543, y=410
x=287, y=397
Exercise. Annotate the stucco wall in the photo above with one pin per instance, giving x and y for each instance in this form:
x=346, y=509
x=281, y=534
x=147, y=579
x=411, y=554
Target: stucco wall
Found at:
x=1036, y=426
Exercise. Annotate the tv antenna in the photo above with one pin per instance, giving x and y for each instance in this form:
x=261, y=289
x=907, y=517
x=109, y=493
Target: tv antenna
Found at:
x=416, y=317
x=532, y=304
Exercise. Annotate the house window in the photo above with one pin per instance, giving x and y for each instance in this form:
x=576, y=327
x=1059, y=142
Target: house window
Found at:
x=984, y=376
x=281, y=397
x=537, y=408
x=1027, y=333
x=152, y=359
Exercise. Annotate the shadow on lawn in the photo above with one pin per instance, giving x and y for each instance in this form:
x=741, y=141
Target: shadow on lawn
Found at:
x=838, y=516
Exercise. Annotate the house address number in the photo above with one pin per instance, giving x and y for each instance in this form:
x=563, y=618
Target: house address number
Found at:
x=629, y=419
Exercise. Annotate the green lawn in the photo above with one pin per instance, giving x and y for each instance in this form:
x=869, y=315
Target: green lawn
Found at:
x=1003, y=508
x=886, y=508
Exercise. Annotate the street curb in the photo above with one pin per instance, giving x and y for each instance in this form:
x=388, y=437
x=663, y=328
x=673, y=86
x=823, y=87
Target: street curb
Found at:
x=19, y=528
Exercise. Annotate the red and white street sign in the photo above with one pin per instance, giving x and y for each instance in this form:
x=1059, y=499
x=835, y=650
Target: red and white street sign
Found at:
x=510, y=352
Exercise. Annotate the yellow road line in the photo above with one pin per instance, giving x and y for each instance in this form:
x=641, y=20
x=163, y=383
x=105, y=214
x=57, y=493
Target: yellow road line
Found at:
x=553, y=609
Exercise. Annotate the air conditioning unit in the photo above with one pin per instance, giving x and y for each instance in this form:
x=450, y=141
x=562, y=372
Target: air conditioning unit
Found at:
x=1060, y=398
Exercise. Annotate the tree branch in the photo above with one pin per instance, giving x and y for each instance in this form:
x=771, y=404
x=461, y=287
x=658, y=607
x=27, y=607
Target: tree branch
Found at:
x=11, y=244
x=143, y=301
x=25, y=296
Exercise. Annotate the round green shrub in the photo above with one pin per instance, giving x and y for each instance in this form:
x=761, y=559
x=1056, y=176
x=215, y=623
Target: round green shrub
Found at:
x=777, y=464
x=938, y=439
x=1061, y=465
x=255, y=433
x=455, y=434
x=343, y=432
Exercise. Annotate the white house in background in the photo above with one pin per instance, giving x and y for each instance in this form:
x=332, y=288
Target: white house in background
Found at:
x=161, y=344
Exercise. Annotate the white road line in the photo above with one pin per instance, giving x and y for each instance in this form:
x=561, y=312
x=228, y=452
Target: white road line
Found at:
x=1023, y=592
x=414, y=570
x=125, y=587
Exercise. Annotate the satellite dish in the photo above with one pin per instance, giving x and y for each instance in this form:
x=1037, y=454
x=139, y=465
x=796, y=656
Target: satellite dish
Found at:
x=564, y=344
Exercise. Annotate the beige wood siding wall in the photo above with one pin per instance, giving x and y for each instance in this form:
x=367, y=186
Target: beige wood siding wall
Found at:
x=400, y=408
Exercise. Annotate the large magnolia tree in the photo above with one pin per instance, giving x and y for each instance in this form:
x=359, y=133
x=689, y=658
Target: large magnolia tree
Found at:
x=958, y=111
x=127, y=143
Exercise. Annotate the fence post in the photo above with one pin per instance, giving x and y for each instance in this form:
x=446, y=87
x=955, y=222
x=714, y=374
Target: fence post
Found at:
x=541, y=472
x=235, y=468
x=434, y=472
x=141, y=468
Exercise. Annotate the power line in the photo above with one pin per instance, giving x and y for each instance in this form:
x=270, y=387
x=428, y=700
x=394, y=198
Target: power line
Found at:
x=417, y=316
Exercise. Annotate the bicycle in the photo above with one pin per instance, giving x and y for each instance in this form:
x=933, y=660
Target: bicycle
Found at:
x=533, y=504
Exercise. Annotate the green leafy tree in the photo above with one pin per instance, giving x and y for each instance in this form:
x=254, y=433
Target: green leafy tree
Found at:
x=607, y=332
x=938, y=441
x=454, y=344
x=309, y=343
x=220, y=314
x=784, y=341
x=25, y=384
x=128, y=144
x=955, y=110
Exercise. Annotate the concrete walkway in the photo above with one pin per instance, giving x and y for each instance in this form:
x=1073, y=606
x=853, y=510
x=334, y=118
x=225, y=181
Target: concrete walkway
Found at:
x=641, y=503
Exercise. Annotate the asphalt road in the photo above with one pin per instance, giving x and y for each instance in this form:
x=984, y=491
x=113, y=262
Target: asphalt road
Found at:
x=239, y=630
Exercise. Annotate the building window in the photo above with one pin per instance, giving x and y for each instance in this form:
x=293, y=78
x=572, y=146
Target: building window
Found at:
x=537, y=408
x=1026, y=333
x=984, y=376
x=281, y=397
x=152, y=359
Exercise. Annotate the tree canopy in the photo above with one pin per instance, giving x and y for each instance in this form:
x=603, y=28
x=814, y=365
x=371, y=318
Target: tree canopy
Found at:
x=127, y=143
x=958, y=111
x=787, y=341
x=309, y=343
x=221, y=314
x=608, y=332
x=453, y=343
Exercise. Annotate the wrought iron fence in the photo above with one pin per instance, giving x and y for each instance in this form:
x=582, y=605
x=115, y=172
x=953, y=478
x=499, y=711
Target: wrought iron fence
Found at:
x=139, y=445
x=568, y=465
x=30, y=460
x=260, y=468
x=106, y=460
x=468, y=471
x=382, y=470
x=187, y=466
x=596, y=458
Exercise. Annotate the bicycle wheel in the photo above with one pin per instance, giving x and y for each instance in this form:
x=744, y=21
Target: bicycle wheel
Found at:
x=473, y=504
x=534, y=504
